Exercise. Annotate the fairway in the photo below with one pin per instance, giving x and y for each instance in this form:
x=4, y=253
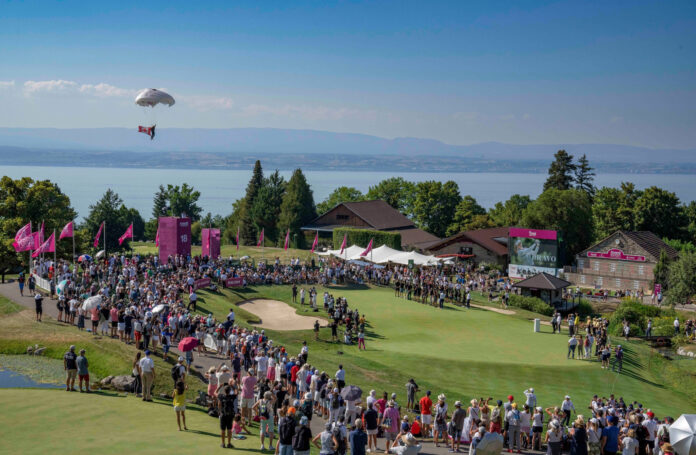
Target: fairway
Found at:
x=465, y=353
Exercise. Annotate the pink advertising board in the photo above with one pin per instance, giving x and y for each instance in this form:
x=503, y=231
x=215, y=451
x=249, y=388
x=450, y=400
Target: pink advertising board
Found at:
x=210, y=242
x=174, y=237
x=615, y=253
x=533, y=233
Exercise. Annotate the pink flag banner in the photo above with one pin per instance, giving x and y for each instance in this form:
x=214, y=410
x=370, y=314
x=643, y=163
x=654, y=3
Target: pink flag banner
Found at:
x=287, y=240
x=157, y=236
x=24, y=239
x=343, y=244
x=236, y=240
x=39, y=237
x=210, y=242
x=367, y=250
x=67, y=231
x=99, y=232
x=315, y=242
x=25, y=231
x=126, y=235
x=260, y=239
x=49, y=246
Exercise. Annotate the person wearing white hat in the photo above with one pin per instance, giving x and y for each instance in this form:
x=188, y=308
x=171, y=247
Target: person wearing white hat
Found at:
x=567, y=406
x=457, y=424
x=531, y=398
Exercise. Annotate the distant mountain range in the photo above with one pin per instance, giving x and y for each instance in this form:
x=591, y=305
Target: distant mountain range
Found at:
x=235, y=147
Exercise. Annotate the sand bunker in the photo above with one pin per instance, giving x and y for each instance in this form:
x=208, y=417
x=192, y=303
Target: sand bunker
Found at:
x=276, y=315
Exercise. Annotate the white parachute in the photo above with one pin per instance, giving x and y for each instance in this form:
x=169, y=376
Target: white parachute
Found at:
x=151, y=97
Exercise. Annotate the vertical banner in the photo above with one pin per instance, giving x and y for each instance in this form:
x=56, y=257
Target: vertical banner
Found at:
x=210, y=242
x=174, y=237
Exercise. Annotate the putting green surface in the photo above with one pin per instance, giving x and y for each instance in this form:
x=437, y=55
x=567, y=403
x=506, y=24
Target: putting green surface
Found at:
x=54, y=421
x=465, y=353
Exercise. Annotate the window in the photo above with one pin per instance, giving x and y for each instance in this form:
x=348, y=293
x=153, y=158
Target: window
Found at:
x=636, y=285
x=582, y=279
x=595, y=266
x=612, y=267
x=600, y=281
x=618, y=282
x=342, y=217
x=641, y=270
x=581, y=264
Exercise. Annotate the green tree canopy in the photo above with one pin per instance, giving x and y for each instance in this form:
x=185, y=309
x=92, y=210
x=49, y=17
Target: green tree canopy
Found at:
x=248, y=232
x=584, y=176
x=613, y=209
x=297, y=208
x=566, y=211
x=160, y=203
x=395, y=191
x=464, y=214
x=339, y=195
x=561, y=172
x=184, y=199
x=110, y=209
x=434, y=205
x=266, y=207
x=659, y=211
x=682, y=279
x=509, y=213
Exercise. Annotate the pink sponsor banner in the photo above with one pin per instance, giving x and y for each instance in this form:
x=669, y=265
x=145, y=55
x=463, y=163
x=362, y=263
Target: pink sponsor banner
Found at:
x=533, y=233
x=234, y=282
x=210, y=242
x=174, y=237
x=201, y=283
x=615, y=253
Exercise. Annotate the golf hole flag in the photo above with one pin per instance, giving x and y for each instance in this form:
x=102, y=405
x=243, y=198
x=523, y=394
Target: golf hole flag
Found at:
x=99, y=232
x=315, y=242
x=67, y=231
x=367, y=250
x=49, y=246
x=126, y=235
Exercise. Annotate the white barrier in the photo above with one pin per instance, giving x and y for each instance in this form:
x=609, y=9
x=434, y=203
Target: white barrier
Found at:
x=42, y=283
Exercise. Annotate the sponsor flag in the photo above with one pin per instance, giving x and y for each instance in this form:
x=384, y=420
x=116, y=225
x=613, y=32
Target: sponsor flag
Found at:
x=260, y=238
x=343, y=244
x=24, y=239
x=237, y=238
x=287, y=240
x=367, y=250
x=23, y=232
x=67, y=231
x=315, y=242
x=39, y=237
x=126, y=235
x=49, y=246
x=157, y=236
x=99, y=232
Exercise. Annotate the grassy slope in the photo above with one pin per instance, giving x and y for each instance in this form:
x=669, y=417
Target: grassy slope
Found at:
x=269, y=254
x=106, y=356
x=104, y=423
x=464, y=353
x=8, y=307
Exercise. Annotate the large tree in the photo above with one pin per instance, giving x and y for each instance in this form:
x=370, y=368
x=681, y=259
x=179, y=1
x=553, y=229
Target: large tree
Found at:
x=509, y=213
x=690, y=213
x=464, y=214
x=682, y=279
x=566, y=211
x=339, y=195
x=613, y=209
x=184, y=200
x=110, y=209
x=232, y=222
x=395, y=191
x=248, y=232
x=297, y=208
x=160, y=203
x=25, y=200
x=434, y=205
x=561, y=172
x=584, y=176
x=266, y=208
x=660, y=211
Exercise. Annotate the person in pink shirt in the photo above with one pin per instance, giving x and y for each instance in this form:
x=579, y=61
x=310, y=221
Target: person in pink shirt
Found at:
x=248, y=384
x=391, y=424
x=113, y=315
x=95, y=319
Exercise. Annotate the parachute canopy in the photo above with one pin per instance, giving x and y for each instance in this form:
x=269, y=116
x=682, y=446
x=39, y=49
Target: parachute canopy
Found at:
x=151, y=97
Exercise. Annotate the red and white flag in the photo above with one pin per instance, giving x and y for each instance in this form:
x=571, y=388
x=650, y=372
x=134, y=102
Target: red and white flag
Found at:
x=367, y=250
x=67, y=231
x=157, y=236
x=49, y=246
x=315, y=242
x=38, y=237
x=126, y=235
x=24, y=231
x=287, y=240
x=260, y=238
x=237, y=238
x=99, y=232
x=343, y=244
x=24, y=240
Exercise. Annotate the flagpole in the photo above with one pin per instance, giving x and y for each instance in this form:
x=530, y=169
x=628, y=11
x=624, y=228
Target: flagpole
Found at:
x=55, y=261
x=104, y=222
x=30, y=249
x=73, y=248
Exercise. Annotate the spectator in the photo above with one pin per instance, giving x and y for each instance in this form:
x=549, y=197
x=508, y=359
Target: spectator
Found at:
x=70, y=366
x=83, y=371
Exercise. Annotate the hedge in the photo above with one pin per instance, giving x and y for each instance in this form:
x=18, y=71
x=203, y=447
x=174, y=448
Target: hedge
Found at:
x=533, y=304
x=637, y=315
x=361, y=237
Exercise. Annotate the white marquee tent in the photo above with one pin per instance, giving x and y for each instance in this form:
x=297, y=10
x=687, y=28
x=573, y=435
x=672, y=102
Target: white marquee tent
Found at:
x=383, y=255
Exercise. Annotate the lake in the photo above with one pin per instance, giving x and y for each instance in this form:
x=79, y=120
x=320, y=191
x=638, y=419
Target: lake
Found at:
x=219, y=188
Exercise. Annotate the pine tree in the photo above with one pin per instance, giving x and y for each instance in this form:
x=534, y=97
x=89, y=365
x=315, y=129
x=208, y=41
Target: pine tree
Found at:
x=297, y=208
x=159, y=203
x=560, y=172
x=584, y=176
x=247, y=229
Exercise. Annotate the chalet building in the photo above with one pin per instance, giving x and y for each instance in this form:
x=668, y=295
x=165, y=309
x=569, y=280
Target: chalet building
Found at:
x=623, y=261
x=376, y=215
x=481, y=246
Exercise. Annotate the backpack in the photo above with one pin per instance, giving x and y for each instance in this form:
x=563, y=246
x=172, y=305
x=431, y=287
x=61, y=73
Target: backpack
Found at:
x=176, y=372
x=227, y=405
x=306, y=409
x=334, y=402
x=286, y=429
x=341, y=440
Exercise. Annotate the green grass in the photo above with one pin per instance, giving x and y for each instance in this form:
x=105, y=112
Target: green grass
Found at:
x=8, y=307
x=256, y=253
x=463, y=353
x=43, y=421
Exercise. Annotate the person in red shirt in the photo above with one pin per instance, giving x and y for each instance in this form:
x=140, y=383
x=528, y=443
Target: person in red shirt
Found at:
x=426, y=405
x=293, y=379
x=416, y=427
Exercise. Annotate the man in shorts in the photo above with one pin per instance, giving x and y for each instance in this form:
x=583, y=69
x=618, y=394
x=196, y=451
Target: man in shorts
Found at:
x=38, y=300
x=426, y=405
x=83, y=371
x=70, y=366
x=457, y=425
x=226, y=412
x=248, y=384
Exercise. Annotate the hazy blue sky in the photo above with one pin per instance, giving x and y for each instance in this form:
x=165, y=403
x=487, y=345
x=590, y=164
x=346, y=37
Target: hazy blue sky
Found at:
x=462, y=71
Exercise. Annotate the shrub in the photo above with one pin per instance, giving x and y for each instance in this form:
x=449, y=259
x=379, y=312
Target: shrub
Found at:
x=361, y=237
x=532, y=304
x=637, y=315
x=585, y=309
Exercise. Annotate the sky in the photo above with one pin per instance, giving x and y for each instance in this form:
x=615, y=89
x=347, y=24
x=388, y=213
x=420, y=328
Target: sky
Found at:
x=463, y=72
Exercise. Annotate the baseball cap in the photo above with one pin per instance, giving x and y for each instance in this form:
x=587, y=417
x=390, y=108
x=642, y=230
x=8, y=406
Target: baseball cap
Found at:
x=510, y=397
x=147, y=352
x=181, y=359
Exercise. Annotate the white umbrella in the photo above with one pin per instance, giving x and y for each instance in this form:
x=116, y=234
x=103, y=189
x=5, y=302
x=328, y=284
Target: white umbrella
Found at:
x=99, y=254
x=91, y=302
x=159, y=308
x=682, y=435
x=491, y=444
x=61, y=286
x=209, y=342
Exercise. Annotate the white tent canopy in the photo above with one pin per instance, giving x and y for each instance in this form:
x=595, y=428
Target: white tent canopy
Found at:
x=682, y=435
x=382, y=255
x=377, y=255
x=417, y=258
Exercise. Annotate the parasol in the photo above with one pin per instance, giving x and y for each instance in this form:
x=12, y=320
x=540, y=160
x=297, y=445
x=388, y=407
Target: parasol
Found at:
x=188, y=344
x=351, y=393
x=84, y=257
x=159, y=308
x=490, y=444
x=91, y=302
x=61, y=286
x=682, y=435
